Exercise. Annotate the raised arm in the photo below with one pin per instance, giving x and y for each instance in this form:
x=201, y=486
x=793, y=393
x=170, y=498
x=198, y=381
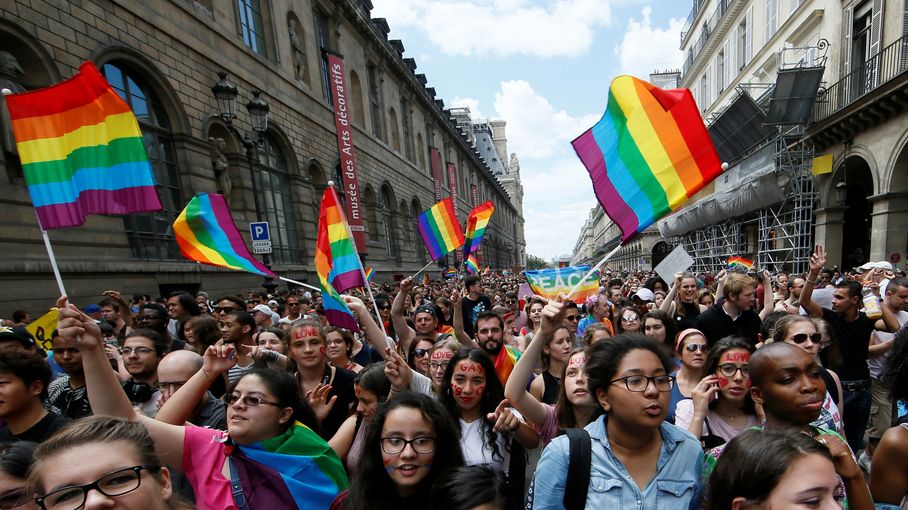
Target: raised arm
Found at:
x=457, y=320
x=178, y=408
x=405, y=334
x=889, y=322
x=720, y=284
x=515, y=389
x=370, y=328
x=768, y=303
x=669, y=301
x=817, y=261
x=104, y=390
x=125, y=310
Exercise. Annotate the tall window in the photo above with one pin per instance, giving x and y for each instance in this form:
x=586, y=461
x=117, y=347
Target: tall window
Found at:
x=420, y=247
x=772, y=18
x=323, y=42
x=275, y=200
x=395, y=130
x=405, y=121
x=744, y=40
x=374, y=103
x=389, y=223
x=252, y=26
x=150, y=234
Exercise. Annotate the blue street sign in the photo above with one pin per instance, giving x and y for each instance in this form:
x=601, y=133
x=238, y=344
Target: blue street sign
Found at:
x=259, y=231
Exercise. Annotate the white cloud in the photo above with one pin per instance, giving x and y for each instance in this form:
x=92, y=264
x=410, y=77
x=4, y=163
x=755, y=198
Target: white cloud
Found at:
x=469, y=102
x=501, y=27
x=645, y=48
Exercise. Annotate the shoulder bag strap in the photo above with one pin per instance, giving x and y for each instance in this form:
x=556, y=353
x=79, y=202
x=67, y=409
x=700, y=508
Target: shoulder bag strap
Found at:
x=578, y=477
x=236, y=486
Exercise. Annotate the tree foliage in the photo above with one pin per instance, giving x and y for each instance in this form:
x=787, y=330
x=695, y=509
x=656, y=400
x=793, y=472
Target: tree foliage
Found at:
x=534, y=262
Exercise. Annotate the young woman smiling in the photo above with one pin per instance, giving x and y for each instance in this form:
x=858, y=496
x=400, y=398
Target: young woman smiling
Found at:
x=638, y=460
x=691, y=348
x=409, y=444
x=681, y=303
x=339, y=348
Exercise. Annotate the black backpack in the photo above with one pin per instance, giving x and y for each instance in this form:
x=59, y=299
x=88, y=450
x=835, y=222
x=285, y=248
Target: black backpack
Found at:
x=578, y=477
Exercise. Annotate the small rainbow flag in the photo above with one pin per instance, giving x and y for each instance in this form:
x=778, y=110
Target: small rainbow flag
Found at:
x=648, y=154
x=336, y=261
x=740, y=264
x=476, y=227
x=81, y=151
x=440, y=230
x=472, y=264
x=487, y=270
x=450, y=273
x=425, y=278
x=505, y=361
x=370, y=273
x=206, y=233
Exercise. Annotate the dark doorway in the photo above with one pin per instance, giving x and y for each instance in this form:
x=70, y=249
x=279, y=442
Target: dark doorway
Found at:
x=856, y=230
x=660, y=251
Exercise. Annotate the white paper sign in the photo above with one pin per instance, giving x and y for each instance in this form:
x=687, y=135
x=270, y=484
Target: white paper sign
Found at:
x=675, y=262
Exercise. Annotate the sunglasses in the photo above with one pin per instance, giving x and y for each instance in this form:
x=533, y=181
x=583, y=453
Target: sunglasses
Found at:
x=630, y=318
x=224, y=309
x=800, y=338
x=249, y=400
x=572, y=317
x=697, y=347
x=420, y=352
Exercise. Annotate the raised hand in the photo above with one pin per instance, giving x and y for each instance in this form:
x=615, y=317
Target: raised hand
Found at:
x=503, y=419
x=319, y=402
x=818, y=259
x=842, y=459
x=75, y=325
x=406, y=285
x=218, y=359
x=552, y=314
x=703, y=393
x=397, y=370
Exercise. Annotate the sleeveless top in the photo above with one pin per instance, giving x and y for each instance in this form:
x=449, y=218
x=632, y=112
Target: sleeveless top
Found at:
x=552, y=387
x=686, y=321
x=356, y=448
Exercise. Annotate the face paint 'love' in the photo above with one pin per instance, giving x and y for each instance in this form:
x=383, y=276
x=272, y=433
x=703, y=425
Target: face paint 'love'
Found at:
x=305, y=332
x=442, y=355
x=742, y=356
x=577, y=360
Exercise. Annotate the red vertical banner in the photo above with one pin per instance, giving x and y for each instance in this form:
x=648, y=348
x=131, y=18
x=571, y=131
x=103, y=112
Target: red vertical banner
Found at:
x=345, y=150
x=474, y=192
x=435, y=161
x=452, y=185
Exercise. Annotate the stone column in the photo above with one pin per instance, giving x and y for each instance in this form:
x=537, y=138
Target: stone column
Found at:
x=889, y=225
x=829, y=231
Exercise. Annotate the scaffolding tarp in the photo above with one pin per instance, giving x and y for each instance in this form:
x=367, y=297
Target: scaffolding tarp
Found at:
x=758, y=191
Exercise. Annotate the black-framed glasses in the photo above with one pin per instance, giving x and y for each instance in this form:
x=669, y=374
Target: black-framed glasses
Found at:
x=394, y=445
x=140, y=351
x=730, y=369
x=420, y=352
x=225, y=309
x=800, y=338
x=250, y=400
x=14, y=499
x=435, y=365
x=704, y=348
x=639, y=383
x=115, y=483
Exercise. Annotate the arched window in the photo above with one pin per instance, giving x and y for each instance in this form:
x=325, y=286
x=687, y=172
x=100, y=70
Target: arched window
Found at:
x=371, y=213
x=356, y=100
x=150, y=234
x=272, y=174
x=420, y=152
x=389, y=223
x=395, y=130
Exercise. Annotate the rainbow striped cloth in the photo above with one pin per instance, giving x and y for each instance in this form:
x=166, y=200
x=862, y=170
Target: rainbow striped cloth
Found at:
x=450, y=273
x=370, y=273
x=648, y=154
x=505, y=361
x=740, y=264
x=440, y=230
x=296, y=469
x=81, y=151
x=471, y=264
x=477, y=222
x=548, y=283
x=206, y=233
x=425, y=278
x=336, y=261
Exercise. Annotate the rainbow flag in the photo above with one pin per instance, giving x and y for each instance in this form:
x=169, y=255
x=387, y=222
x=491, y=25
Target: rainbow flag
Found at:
x=370, y=273
x=505, y=361
x=440, y=230
x=648, y=154
x=336, y=261
x=476, y=227
x=548, y=283
x=81, y=151
x=296, y=469
x=740, y=264
x=487, y=270
x=472, y=264
x=206, y=233
x=425, y=278
x=450, y=273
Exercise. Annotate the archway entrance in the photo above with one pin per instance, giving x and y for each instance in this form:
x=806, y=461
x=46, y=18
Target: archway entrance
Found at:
x=856, y=228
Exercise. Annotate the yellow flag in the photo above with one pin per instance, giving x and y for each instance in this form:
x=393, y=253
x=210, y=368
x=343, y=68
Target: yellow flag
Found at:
x=822, y=165
x=42, y=327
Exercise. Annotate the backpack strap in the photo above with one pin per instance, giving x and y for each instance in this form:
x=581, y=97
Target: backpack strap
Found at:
x=578, y=476
x=236, y=486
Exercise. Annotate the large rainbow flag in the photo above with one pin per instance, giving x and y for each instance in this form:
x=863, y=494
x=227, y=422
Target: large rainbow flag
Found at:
x=336, y=261
x=477, y=222
x=81, y=151
x=206, y=233
x=648, y=154
x=296, y=469
x=440, y=230
x=548, y=283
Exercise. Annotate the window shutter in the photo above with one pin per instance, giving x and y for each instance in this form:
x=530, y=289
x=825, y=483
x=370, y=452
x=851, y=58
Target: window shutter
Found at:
x=876, y=27
x=733, y=58
x=726, y=58
x=847, y=26
x=749, y=35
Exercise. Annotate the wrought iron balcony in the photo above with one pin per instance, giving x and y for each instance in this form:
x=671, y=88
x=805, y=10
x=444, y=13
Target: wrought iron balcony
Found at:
x=709, y=29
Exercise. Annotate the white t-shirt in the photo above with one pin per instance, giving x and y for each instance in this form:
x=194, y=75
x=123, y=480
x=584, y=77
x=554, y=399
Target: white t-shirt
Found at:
x=475, y=450
x=877, y=364
x=684, y=414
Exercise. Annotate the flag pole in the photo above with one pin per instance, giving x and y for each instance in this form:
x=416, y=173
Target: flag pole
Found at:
x=362, y=269
x=423, y=269
x=597, y=266
x=301, y=284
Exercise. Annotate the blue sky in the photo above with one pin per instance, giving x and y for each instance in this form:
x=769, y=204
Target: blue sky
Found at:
x=544, y=67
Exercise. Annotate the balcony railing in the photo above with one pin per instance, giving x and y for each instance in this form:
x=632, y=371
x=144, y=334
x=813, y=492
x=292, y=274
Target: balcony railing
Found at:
x=875, y=71
x=698, y=4
x=706, y=33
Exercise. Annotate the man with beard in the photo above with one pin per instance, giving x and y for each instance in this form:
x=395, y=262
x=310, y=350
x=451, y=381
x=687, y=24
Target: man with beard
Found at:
x=142, y=351
x=425, y=320
x=489, y=330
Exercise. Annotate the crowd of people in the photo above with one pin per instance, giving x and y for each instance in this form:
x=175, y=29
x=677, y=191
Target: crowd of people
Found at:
x=735, y=390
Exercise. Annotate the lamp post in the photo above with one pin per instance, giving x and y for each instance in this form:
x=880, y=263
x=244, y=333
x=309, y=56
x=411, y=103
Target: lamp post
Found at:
x=225, y=93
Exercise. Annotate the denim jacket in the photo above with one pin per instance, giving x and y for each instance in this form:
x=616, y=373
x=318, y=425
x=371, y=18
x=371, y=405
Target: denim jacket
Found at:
x=676, y=485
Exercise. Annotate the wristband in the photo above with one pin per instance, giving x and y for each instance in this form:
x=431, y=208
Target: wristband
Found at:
x=271, y=356
x=812, y=282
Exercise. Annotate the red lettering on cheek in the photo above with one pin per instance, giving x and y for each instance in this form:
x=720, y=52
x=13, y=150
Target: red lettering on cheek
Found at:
x=458, y=389
x=723, y=382
x=480, y=390
x=747, y=383
x=321, y=350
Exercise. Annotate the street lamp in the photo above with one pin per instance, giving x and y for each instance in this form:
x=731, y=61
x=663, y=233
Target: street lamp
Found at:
x=225, y=93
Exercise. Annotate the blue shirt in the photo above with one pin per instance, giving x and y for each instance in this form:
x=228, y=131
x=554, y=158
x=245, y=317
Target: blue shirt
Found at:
x=675, y=486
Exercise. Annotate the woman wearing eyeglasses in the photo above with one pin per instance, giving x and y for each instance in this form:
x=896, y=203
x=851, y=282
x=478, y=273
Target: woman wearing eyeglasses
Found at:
x=802, y=332
x=409, y=444
x=721, y=406
x=692, y=349
x=275, y=460
x=124, y=471
x=638, y=460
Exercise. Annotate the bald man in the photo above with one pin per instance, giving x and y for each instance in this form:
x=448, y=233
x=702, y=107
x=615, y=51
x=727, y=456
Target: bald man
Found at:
x=173, y=371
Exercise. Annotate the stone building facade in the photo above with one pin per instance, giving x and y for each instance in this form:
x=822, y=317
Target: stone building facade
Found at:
x=163, y=58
